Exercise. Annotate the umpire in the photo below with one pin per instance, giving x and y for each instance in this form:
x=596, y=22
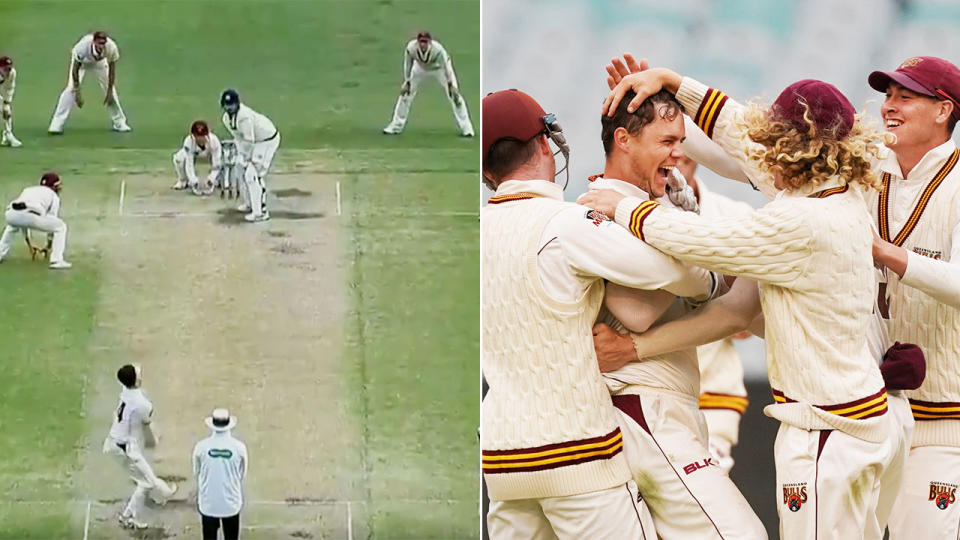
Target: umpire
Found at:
x=220, y=465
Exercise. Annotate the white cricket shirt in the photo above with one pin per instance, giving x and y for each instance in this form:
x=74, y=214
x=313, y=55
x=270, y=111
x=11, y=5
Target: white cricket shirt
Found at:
x=133, y=411
x=39, y=200
x=249, y=126
x=220, y=465
x=8, y=85
x=83, y=51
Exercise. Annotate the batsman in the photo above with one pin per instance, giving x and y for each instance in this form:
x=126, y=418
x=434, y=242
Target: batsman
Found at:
x=257, y=140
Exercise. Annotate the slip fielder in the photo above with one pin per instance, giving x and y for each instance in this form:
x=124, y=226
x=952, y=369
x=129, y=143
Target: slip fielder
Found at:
x=257, y=141
x=129, y=434
x=96, y=52
x=425, y=57
x=8, y=84
x=38, y=208
x=200, y=143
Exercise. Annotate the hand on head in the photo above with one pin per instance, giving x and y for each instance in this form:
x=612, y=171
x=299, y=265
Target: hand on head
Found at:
x=618, y=69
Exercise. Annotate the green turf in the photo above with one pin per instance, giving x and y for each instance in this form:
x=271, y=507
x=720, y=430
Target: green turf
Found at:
x=327, y=73
x=415, y=274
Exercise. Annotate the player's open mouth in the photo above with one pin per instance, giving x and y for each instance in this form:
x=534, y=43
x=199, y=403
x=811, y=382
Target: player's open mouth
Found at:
x=664, y=172
x=893, y=124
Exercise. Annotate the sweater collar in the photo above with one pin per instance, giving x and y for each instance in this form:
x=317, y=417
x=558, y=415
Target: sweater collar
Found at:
x=810, y=189
x=620, y=186
x=542, y=188
x=928, y=165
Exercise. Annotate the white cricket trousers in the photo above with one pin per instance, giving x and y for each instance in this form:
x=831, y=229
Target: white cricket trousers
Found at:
x=617, y=513
x=828, y=482
x=255, y=174
x=927, y=506
x=898, y=406
x=132, y=461
x=18, y=220
x=689, y=495
x=457, y=103
x=185, y=166
x=67, y=102
x=721, y=424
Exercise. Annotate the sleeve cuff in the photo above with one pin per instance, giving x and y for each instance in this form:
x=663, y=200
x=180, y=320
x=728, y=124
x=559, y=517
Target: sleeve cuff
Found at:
x=690, y=95
x=701, y=103
x=918, y=271
x=631, y=213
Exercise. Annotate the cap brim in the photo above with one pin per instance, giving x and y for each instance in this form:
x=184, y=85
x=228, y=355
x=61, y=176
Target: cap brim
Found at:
x=230, y=425
x=880, y=81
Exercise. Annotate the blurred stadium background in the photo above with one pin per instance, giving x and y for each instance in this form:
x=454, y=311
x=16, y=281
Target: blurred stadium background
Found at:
x=556, y=51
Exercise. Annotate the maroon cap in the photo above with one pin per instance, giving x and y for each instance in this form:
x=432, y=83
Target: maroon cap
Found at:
x=199, y=128
x=51, y=180
x=5, y=61
x=424, y=36
x=927, y=75
x=100, y=36
x=903, y=367
x=829, y=108
x=510, y=114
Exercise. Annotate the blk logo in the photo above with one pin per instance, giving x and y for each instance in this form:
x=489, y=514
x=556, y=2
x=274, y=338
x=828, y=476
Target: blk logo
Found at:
x=697, y=465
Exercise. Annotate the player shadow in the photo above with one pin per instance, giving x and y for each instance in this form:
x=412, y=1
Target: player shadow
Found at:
x=230, y=216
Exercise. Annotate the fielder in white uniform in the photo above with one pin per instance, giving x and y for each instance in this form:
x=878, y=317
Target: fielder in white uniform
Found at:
x=8, y=84
x=198, y=144
x=257, y=141
x=425, y=57
x=220, y=465
x=38, y=208
x=96, y=52
x=917, y=213
x=130, y=433
x=665, y=436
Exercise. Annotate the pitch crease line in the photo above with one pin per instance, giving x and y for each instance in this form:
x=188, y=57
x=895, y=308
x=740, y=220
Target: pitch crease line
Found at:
x=86, y=523
x=338, y=197
x=123, y=190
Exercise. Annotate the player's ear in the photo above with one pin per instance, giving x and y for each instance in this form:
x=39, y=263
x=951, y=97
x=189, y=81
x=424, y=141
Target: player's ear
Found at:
x=621, y=138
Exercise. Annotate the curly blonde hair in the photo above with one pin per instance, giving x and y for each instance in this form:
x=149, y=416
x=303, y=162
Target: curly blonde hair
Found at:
x=811, y=157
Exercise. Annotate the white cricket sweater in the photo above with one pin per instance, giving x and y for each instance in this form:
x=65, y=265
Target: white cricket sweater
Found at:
x=922, y=215
x=721, y=370
x=548, y=424
x=674, y=371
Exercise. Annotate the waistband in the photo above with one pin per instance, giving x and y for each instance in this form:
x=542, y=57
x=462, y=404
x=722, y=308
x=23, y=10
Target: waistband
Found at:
x=551, y=456
x=933, y=410
x=731, y=402
x=858, y=409
x=272, y=137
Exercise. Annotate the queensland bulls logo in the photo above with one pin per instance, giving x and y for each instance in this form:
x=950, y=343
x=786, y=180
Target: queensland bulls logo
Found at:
x=943, y=494
x=794, y=495
x=596, y=217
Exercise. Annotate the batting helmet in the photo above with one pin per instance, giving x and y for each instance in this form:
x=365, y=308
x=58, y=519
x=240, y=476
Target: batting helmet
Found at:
x=51, y=180
x=199, y=128
x=230, y=101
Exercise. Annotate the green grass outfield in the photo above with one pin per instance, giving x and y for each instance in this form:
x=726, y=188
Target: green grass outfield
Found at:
x=327, y=73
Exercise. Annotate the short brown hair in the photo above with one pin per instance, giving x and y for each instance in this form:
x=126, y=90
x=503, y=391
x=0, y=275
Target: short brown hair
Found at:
x=199, y=128
x=635, y=122
x=506, y=155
